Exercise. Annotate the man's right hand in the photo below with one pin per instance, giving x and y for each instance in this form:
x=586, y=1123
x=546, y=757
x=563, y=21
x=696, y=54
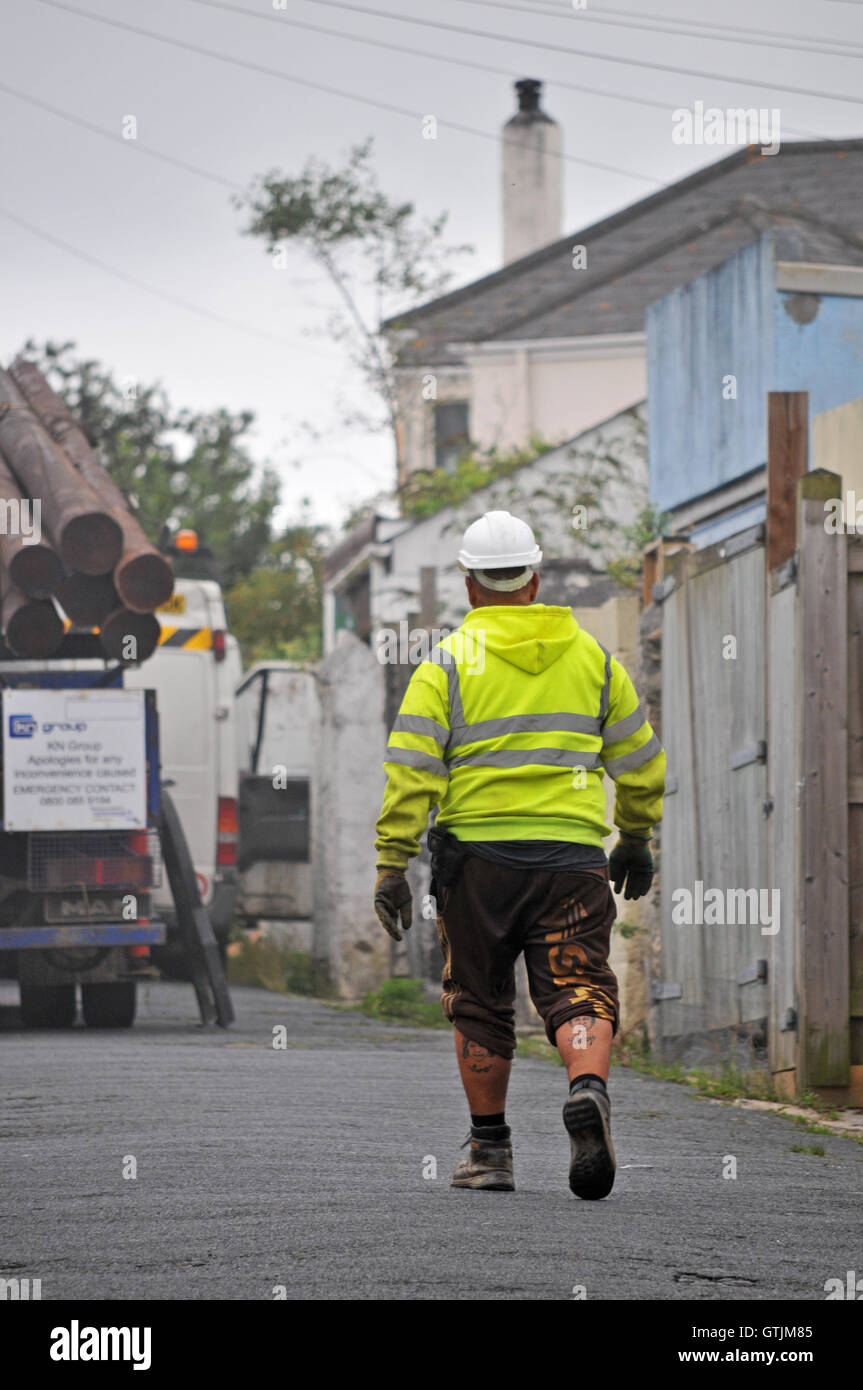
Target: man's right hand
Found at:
x=393, y=901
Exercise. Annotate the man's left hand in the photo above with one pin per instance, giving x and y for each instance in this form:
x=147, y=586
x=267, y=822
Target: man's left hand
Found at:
x=631, y=862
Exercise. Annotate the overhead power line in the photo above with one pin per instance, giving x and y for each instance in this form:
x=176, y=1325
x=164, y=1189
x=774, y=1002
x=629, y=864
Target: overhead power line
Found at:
x=416, y=116
x=161, y=155
x=282, y=19
x=523, y=42
x=186, y=304
x=742, y=34
x=115, y=138
x=386, y=44
x=670, y=24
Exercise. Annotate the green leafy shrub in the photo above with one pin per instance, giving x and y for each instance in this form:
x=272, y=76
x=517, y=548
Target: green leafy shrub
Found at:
x=402, y=1001
x=264, y=964
x=430, y=489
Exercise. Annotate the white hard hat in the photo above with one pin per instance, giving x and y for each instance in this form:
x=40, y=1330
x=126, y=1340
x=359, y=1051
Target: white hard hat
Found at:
x=499, y=541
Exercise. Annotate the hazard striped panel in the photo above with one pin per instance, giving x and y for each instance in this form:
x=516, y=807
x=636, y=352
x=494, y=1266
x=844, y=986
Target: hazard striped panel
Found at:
x=195, y=639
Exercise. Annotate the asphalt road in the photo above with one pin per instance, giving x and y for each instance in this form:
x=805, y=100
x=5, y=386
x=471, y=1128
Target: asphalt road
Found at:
x=309, y=1168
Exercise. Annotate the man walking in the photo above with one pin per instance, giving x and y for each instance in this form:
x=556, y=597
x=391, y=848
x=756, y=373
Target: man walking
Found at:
x=508, y=728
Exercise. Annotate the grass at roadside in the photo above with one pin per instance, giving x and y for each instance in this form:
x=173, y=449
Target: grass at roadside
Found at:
x=264, y=964
x=729, y=1083
x=402, y=1001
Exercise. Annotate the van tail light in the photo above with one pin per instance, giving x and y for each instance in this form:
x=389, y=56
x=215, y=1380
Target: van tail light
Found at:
x=138, y=952
x=219, y=644
x=226, y=841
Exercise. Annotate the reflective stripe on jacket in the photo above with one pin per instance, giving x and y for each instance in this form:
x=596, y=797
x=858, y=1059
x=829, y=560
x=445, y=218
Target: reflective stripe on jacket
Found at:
x=508, y=728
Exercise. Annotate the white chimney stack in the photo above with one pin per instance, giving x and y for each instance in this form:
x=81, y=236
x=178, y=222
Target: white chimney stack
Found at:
x=532, y=176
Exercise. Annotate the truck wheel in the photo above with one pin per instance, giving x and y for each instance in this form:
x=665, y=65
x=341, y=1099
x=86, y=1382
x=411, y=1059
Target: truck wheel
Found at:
x=47, y=1006
x=109, y=1005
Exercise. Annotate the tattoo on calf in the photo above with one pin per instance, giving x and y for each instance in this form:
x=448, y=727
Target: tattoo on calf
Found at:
x=475, y=1055
x=583, y=1034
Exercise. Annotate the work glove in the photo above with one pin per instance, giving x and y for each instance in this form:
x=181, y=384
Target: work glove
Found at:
x=393, y=900
x=631, y=862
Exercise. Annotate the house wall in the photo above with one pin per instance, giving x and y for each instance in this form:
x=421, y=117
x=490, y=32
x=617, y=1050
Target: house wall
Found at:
x=550, y=394
x=534, y=492
x=822, y=354
x=417, y=392
x=517, y=392
x=733, y=322
x=717, y=326
x=837, y=443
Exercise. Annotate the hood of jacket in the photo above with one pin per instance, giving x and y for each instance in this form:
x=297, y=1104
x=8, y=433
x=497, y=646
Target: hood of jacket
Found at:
x=530, y=636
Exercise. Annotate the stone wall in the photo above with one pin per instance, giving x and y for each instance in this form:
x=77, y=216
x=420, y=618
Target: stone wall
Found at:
x=348, y=791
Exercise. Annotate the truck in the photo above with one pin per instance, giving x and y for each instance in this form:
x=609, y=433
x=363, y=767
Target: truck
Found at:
x=79, y=845
x=84, y=812
x=84, y=900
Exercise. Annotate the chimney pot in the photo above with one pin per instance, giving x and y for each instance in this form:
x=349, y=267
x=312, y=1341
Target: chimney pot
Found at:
x=529, y=90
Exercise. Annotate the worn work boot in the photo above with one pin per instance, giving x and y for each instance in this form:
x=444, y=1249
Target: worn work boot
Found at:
x=489, y=1165
x=587, y=1117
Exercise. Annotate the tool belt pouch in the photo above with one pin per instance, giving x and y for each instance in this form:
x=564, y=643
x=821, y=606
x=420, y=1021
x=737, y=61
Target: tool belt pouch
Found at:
x=447, y=856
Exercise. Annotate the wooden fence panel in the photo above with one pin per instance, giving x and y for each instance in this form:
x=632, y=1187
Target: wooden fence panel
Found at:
x=726, y=627
x=783, y=737
x=682, y=964
x=823, y=698
x=855, y=793
x=714, y=825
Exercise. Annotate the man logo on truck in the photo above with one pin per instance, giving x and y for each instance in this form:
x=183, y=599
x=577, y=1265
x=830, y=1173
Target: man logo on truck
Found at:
x=22, y=726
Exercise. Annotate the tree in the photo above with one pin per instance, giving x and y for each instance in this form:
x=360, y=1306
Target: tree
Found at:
x=376, y=253
x=650, y=523
x=176, y=467
x=275, y=612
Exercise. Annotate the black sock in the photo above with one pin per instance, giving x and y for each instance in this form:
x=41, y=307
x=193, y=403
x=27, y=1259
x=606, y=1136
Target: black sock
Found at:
x=488, y=1121
x=586, y=1076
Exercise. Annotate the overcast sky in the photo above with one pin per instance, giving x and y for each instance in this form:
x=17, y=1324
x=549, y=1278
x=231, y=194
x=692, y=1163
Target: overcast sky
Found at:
x=178, y=233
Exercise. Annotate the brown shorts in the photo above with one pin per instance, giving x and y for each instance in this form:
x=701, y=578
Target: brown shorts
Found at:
x=562, y=922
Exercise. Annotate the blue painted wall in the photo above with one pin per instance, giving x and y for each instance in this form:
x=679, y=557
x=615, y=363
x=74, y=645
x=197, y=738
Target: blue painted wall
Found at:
x=734, y=322
x=824, y=357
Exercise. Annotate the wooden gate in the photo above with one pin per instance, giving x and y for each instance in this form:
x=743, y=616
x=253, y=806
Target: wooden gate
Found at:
x=762, y=720
x=713, y=832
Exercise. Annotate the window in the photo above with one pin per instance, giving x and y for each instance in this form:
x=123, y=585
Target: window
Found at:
x=353, y=606
x=450, y=433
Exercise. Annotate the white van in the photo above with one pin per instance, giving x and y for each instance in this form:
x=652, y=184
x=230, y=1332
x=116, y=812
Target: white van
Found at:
x=195, y=671
x=278, y=722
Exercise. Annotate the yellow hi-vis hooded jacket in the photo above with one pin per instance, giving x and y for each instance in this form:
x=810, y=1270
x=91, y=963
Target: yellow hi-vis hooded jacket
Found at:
x=508, y=727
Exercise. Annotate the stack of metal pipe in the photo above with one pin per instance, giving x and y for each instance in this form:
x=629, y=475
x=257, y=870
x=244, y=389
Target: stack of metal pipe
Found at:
x=69, y=543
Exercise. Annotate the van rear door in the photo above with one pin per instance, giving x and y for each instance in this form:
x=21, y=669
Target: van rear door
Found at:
x=183, y=680
x=278, y=717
